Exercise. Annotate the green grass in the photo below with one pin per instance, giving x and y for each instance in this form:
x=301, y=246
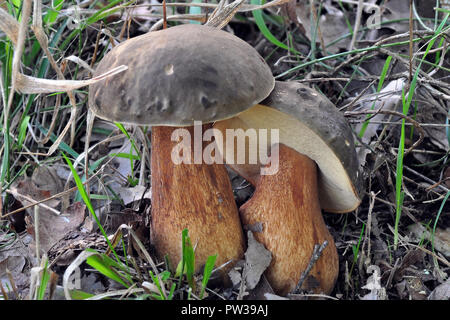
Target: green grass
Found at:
x=406, y=103
x=259, y=20
x=88, y=203
x=355, y=249
x=383, y=74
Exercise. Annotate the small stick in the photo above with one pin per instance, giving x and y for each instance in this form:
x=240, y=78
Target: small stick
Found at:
x=319, y=31
x=97, y=42
x=3, y=291
x=315, y=256
x=13, y=284
x=164, y=15
x=36, y=234
x=33, y=202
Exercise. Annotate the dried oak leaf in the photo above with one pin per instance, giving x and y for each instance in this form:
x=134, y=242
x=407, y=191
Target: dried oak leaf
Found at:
x=53, y=228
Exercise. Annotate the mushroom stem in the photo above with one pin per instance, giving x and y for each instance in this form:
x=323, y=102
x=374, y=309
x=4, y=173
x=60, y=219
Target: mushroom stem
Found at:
x=198, y=197
x=286, y=204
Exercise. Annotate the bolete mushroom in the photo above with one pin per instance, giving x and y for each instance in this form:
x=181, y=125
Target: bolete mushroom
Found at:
x=317, y=169
x=176, y=76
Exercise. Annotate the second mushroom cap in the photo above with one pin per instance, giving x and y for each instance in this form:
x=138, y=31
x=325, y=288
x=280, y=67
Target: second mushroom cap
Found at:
x=310, y=124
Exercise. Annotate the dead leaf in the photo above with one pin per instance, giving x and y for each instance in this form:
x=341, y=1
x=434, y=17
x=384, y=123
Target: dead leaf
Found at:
x=247, y=274
x=12, y=263
x=396, y=10
x=386, y=99
x=332, y=25
x=257, y=259
x=432, y=112
x=53, y=228
x=441, y=237
x=410, y=259
x=46, y=178
x=16, y=258
x=129, y=195
x=416, y=288
x=27, y=193
x=441, y=292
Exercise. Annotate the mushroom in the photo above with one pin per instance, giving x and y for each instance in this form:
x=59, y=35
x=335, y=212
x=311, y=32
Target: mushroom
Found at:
x=317, y=169
x=176, y=76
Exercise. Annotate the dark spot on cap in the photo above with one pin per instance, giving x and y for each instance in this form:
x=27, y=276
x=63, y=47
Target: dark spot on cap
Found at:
x=158, y=104
x=303, y=92
x=129, y=101
x=207, y=103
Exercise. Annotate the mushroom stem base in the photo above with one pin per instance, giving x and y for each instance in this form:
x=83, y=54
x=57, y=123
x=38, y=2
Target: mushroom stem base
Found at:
x=197, y=197
x=286, y=204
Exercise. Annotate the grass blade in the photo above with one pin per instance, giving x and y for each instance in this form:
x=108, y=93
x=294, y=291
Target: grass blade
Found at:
x=88, y=203
x=259, y=20
x=209, y=266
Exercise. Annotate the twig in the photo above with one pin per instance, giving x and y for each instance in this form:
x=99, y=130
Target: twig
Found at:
x=13, y=283
x=37, y=238
x=33, y=202
x=164, y=15
x=359, y=96
x=315, y=256
x=312, y=295
x=3, y=291
x=369, y=226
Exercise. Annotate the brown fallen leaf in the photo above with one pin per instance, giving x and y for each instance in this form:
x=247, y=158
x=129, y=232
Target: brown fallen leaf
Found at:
x=27, y=192
x=53, y=228
x=46, y=178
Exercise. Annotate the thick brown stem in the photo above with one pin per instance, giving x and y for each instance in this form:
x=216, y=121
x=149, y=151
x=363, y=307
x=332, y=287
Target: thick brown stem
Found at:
x=287, y=206
x=198, y=197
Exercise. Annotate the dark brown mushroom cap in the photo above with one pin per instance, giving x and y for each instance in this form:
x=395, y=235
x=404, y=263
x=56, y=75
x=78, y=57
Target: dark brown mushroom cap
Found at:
x=180, y=75
x=310, y=124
